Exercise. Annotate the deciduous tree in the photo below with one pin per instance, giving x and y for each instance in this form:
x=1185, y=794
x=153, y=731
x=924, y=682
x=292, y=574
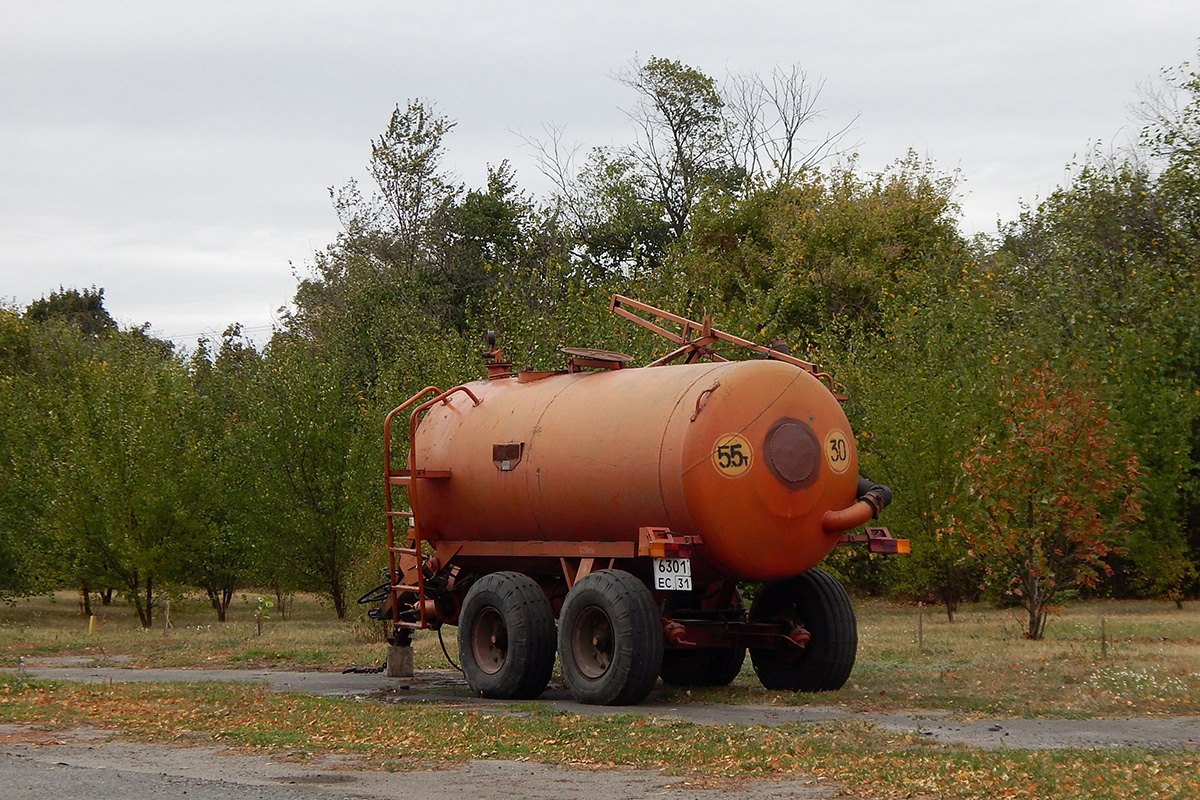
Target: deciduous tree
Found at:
x=1052, y=492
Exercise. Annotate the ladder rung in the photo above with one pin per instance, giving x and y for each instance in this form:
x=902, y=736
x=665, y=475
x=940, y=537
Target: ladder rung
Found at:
x=405, y=587
x=400, y=514
x=404, y=551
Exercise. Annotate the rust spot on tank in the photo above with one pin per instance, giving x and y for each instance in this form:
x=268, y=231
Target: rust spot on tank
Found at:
x=792, y=453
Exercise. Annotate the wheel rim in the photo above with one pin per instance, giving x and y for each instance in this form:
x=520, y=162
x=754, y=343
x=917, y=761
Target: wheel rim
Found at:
x=489, y=641
x=592, y=642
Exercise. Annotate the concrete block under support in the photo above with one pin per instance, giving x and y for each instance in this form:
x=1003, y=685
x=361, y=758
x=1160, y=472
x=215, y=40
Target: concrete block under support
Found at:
x=399, y=661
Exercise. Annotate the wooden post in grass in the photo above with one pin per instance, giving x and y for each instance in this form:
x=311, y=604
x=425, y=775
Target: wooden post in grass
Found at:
x=920, y=627
x=1103, y=639
x=91, y=624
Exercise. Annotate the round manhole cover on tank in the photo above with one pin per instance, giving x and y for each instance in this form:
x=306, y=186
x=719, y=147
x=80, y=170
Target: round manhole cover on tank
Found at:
x=792, y=453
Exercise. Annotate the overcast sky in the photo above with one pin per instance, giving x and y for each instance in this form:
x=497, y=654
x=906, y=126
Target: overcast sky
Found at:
x=179, y=154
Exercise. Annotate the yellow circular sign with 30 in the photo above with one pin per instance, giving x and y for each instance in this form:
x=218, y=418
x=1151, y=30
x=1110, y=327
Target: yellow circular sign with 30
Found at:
x=837, y=451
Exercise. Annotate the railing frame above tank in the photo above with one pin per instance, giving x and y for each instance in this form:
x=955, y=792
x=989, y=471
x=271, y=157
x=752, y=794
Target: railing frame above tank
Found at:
x=410, y=482
x=706, y=334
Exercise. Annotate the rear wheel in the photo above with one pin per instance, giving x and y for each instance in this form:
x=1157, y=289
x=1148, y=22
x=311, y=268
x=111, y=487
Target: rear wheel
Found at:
x=610, y=639
x=707, y=666
x=506, y=637
x=702, y=666
x=816, y=601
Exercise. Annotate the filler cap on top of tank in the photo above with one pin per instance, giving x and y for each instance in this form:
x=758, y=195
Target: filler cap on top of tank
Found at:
x=581, y=358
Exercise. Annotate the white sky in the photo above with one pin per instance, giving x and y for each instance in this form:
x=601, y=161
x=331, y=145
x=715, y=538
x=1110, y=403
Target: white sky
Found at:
x=179, y=154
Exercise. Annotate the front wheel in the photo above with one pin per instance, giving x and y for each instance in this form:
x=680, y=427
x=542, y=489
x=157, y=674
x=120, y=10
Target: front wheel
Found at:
x=610, y=639
x=817, y=602
x=506, y=637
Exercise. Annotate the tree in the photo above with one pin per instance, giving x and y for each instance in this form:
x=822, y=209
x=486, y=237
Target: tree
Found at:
x=680, y=134
x=115, y=436
x=313, y=463
x=920, y=394
x=1106, y=270
x=410, y=187
x=22, y=558
x=81, y=310
x=1052, y=492
x=826, y=251
x=223, y=552
x=768, y=119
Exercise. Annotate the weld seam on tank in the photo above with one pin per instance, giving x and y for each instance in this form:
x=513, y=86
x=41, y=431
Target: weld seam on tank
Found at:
x=667, y=428
x=533, y=481
x=753, y=419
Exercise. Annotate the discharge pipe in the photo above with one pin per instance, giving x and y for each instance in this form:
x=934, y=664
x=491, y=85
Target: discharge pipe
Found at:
x=871, y=499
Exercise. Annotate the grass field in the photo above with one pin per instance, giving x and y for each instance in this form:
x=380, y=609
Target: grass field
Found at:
x=1150, y=665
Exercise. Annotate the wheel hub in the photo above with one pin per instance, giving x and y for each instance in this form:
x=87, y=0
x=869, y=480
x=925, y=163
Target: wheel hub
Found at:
x=489, y=642
x=592, y=642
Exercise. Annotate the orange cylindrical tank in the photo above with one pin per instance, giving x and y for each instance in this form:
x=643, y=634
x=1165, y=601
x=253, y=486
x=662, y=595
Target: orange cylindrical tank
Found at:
x=747, y=455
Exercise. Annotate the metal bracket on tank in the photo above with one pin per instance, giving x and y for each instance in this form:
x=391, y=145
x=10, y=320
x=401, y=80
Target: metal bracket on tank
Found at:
x=878, y=540
x=507, y=456
x=663, y=543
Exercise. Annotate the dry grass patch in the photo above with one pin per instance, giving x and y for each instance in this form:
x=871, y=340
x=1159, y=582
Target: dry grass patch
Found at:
x=309, y=638
x=864, y=762
x=1148, y=664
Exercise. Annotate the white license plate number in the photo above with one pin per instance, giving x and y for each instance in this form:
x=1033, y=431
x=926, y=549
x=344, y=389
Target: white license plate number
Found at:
x=673, y=574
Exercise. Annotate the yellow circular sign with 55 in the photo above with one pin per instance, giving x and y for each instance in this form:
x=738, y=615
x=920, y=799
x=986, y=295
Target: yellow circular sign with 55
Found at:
x=732, y=455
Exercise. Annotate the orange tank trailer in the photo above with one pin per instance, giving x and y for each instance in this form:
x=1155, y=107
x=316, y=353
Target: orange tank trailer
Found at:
x=629, y=503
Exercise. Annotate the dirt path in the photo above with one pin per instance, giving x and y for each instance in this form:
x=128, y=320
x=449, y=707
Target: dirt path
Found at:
x=446, y=686
x=40, y=765
x=36, y=765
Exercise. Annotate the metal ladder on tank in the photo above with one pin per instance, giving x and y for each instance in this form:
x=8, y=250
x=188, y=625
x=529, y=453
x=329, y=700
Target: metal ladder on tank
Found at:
x=409, y=479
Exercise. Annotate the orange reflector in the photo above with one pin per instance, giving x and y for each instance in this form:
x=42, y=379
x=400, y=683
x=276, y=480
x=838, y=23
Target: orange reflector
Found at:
x=888, y=546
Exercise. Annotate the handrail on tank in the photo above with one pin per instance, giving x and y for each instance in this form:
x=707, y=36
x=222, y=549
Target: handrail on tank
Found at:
x=707, y=334
x=428, y=404
x=387, y=426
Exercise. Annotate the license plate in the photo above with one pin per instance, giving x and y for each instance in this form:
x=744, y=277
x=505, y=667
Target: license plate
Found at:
x=673, y=574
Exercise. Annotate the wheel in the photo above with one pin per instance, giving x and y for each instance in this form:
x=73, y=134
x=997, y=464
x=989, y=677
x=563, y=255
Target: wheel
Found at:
x=817, y=601
x=702, y=666
x=610, y=639
x=506, y=637
x=706, y=666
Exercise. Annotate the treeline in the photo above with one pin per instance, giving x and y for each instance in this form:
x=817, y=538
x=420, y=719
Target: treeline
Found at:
x=1032, y=397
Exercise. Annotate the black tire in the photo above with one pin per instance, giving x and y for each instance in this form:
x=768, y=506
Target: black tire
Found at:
x=817, y=601
x=702, y=666
x=610, y=639
x=506, y=637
